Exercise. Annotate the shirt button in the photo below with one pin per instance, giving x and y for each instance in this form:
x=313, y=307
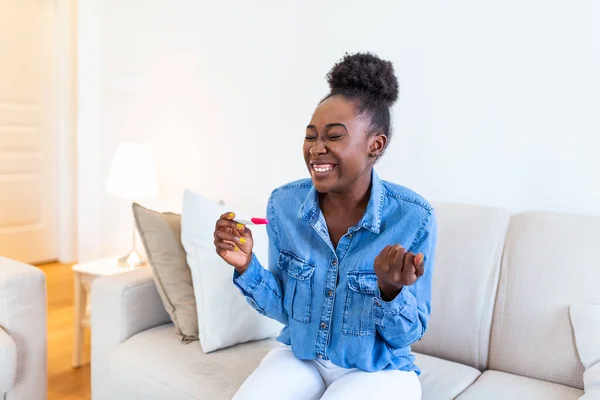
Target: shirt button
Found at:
x=320, y=355
x=349, y=236
x=334, y=262
x=323, y=325
x=329, y=293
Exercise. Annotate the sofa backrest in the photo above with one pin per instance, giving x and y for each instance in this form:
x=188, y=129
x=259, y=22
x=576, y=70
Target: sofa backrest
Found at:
x=465, y=280
x=550, y=261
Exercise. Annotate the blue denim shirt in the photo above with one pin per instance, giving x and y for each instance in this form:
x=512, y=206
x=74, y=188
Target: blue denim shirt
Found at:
x=327, y=297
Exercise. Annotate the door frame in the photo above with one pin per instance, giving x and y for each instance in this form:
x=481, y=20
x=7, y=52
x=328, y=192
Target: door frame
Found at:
x=66, y=41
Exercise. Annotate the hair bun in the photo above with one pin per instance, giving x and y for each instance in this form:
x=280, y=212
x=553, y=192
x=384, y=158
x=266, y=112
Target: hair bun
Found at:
x=364, y=73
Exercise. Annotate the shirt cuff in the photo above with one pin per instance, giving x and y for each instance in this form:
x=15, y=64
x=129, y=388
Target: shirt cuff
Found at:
x=250, y=279
x=403, y=305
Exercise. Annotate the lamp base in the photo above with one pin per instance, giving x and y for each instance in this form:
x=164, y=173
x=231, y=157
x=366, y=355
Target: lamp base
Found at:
x=131, y=260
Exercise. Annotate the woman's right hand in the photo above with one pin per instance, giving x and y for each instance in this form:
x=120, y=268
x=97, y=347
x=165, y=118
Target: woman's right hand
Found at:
x=233, y=242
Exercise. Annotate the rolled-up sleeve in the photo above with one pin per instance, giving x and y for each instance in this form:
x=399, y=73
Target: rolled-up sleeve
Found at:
x=260, y=286
x=403, y=320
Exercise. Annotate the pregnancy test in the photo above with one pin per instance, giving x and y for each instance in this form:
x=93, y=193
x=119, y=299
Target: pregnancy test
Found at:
x=250, y=220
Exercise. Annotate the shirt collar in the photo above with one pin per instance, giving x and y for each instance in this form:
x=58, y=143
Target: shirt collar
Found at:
x=371, y=220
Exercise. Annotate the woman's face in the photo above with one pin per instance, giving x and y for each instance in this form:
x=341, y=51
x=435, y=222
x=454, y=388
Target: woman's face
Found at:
x=338, y=149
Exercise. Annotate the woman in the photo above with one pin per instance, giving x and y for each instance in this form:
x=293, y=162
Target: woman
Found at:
x=350, y=256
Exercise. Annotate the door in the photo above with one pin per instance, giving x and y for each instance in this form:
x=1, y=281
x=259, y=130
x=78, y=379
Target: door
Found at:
x=28, y=130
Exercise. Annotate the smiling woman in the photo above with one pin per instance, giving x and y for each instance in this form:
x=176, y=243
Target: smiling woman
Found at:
x=351, y=123
x=350, y=255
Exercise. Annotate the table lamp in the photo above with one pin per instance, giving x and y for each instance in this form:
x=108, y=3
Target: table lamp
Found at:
x=133, y=177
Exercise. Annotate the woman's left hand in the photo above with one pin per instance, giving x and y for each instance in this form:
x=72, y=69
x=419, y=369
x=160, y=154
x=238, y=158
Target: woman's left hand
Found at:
x=396, y=268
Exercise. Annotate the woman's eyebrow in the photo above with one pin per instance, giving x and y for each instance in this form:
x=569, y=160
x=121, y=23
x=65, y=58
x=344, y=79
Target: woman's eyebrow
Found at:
x=328, y=126
x=335, y=124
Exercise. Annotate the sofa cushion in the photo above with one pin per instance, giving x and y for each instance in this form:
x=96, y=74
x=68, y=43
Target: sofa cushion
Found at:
x=495, y=385
x=550, y=261
x=153, y=365
x=8, y=361
x=441, y=379
x=470, y=243
x=225, y=317
x=161, y=236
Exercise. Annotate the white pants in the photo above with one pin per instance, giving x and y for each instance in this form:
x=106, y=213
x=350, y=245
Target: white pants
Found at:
x=282, y=376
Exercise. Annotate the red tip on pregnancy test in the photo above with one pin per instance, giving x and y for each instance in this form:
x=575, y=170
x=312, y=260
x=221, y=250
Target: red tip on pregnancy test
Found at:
x=250, y=220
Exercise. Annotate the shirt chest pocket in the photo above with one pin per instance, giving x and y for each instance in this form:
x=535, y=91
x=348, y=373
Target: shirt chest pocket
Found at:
x=298, y=286
x=358, y=309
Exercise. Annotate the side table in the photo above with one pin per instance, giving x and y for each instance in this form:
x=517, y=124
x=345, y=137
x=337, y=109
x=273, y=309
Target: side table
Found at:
x=85, y=273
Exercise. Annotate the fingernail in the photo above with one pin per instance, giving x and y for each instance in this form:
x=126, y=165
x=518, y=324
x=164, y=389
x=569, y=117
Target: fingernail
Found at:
x=231, y=215
x=236, y=248
x=240, y=225
x=242, y=240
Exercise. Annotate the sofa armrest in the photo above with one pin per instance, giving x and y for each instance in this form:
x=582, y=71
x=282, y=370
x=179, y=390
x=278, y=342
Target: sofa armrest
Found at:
x=8, y=361
x=122, y=305
x=23, y=318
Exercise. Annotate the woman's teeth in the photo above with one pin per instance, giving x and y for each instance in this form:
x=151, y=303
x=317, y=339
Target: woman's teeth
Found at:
x=323, y=167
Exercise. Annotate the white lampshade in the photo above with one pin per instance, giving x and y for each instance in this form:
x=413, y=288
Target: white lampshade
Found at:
x=133, y=172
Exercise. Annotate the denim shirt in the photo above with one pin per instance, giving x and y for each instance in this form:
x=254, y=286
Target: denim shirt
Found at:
x=327, y=297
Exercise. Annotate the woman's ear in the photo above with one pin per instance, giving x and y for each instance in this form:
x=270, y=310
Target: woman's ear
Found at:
x=378, y=143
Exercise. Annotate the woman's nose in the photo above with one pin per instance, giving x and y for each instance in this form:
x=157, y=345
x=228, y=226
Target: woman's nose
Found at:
x=318, y=148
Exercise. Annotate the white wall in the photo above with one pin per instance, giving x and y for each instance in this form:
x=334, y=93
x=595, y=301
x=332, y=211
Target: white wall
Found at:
x=498, y=100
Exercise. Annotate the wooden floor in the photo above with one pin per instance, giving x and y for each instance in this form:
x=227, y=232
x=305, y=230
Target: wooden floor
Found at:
x=64, y=382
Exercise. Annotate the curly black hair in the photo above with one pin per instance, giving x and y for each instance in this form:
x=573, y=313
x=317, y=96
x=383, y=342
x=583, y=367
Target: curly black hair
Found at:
x=370, y=82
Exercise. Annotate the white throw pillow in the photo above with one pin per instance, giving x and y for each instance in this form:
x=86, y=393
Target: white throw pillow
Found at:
x=585, y=319
x=224, y=316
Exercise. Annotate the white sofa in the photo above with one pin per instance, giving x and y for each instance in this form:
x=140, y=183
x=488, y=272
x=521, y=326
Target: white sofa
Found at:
x=23, y=352
x=499, y=326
